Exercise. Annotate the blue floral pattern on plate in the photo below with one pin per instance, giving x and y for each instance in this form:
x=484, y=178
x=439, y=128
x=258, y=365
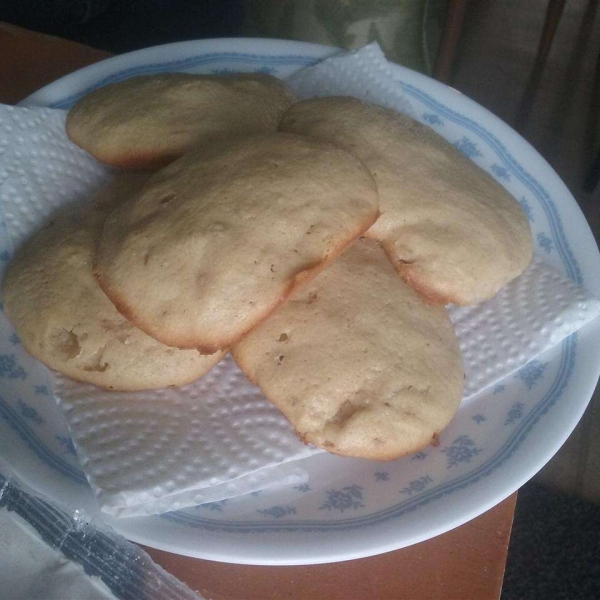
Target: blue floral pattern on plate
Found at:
x=462, y=449
x=303, y=488
x=10, y=368
x=500, y=172
x=526, y=206
x=30, y=413
x=277, y=511
x=419, y=456
x=431, y=119
x=544, y=242
x=417, y=485
x=468, y=147
x=348, y=497
x=531, y=373
x=515, y=413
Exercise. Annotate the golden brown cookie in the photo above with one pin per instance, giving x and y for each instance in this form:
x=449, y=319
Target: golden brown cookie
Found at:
x=218, y=239
x=119, y=189
x=450, y=229
x=66, y=321
x=357, y=361
x=149, y=121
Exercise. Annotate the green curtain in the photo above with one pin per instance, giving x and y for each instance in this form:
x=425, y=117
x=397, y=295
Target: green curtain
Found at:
x=408, y=31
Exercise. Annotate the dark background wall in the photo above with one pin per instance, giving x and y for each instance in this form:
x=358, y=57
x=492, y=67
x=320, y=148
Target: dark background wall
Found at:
x=124, y=25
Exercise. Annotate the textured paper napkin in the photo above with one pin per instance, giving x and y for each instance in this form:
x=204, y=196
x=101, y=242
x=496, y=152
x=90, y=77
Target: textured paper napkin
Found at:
x=151, y=452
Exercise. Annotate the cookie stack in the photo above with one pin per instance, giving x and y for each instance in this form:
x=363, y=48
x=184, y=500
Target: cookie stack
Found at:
x=318, y=241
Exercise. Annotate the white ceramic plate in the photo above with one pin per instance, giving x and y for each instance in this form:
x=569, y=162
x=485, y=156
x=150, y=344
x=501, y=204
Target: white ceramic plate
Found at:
x=349, y=508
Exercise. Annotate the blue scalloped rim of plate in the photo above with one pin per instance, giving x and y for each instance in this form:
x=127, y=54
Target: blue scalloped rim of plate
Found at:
x=509, y=164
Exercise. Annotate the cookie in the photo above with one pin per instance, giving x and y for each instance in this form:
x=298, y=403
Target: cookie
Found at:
x=450, y=229
x=149, y=121
x=119, y=189
x=218, y=239
x=66, y=321
x=358, y=362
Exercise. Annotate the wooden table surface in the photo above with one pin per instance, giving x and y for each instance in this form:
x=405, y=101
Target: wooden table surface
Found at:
x=464, y=564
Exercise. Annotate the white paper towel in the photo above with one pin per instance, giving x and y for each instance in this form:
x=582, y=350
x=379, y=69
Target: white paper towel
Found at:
x=364, y=73
x=151, y=452
x=534, y=312
x=40, y=169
